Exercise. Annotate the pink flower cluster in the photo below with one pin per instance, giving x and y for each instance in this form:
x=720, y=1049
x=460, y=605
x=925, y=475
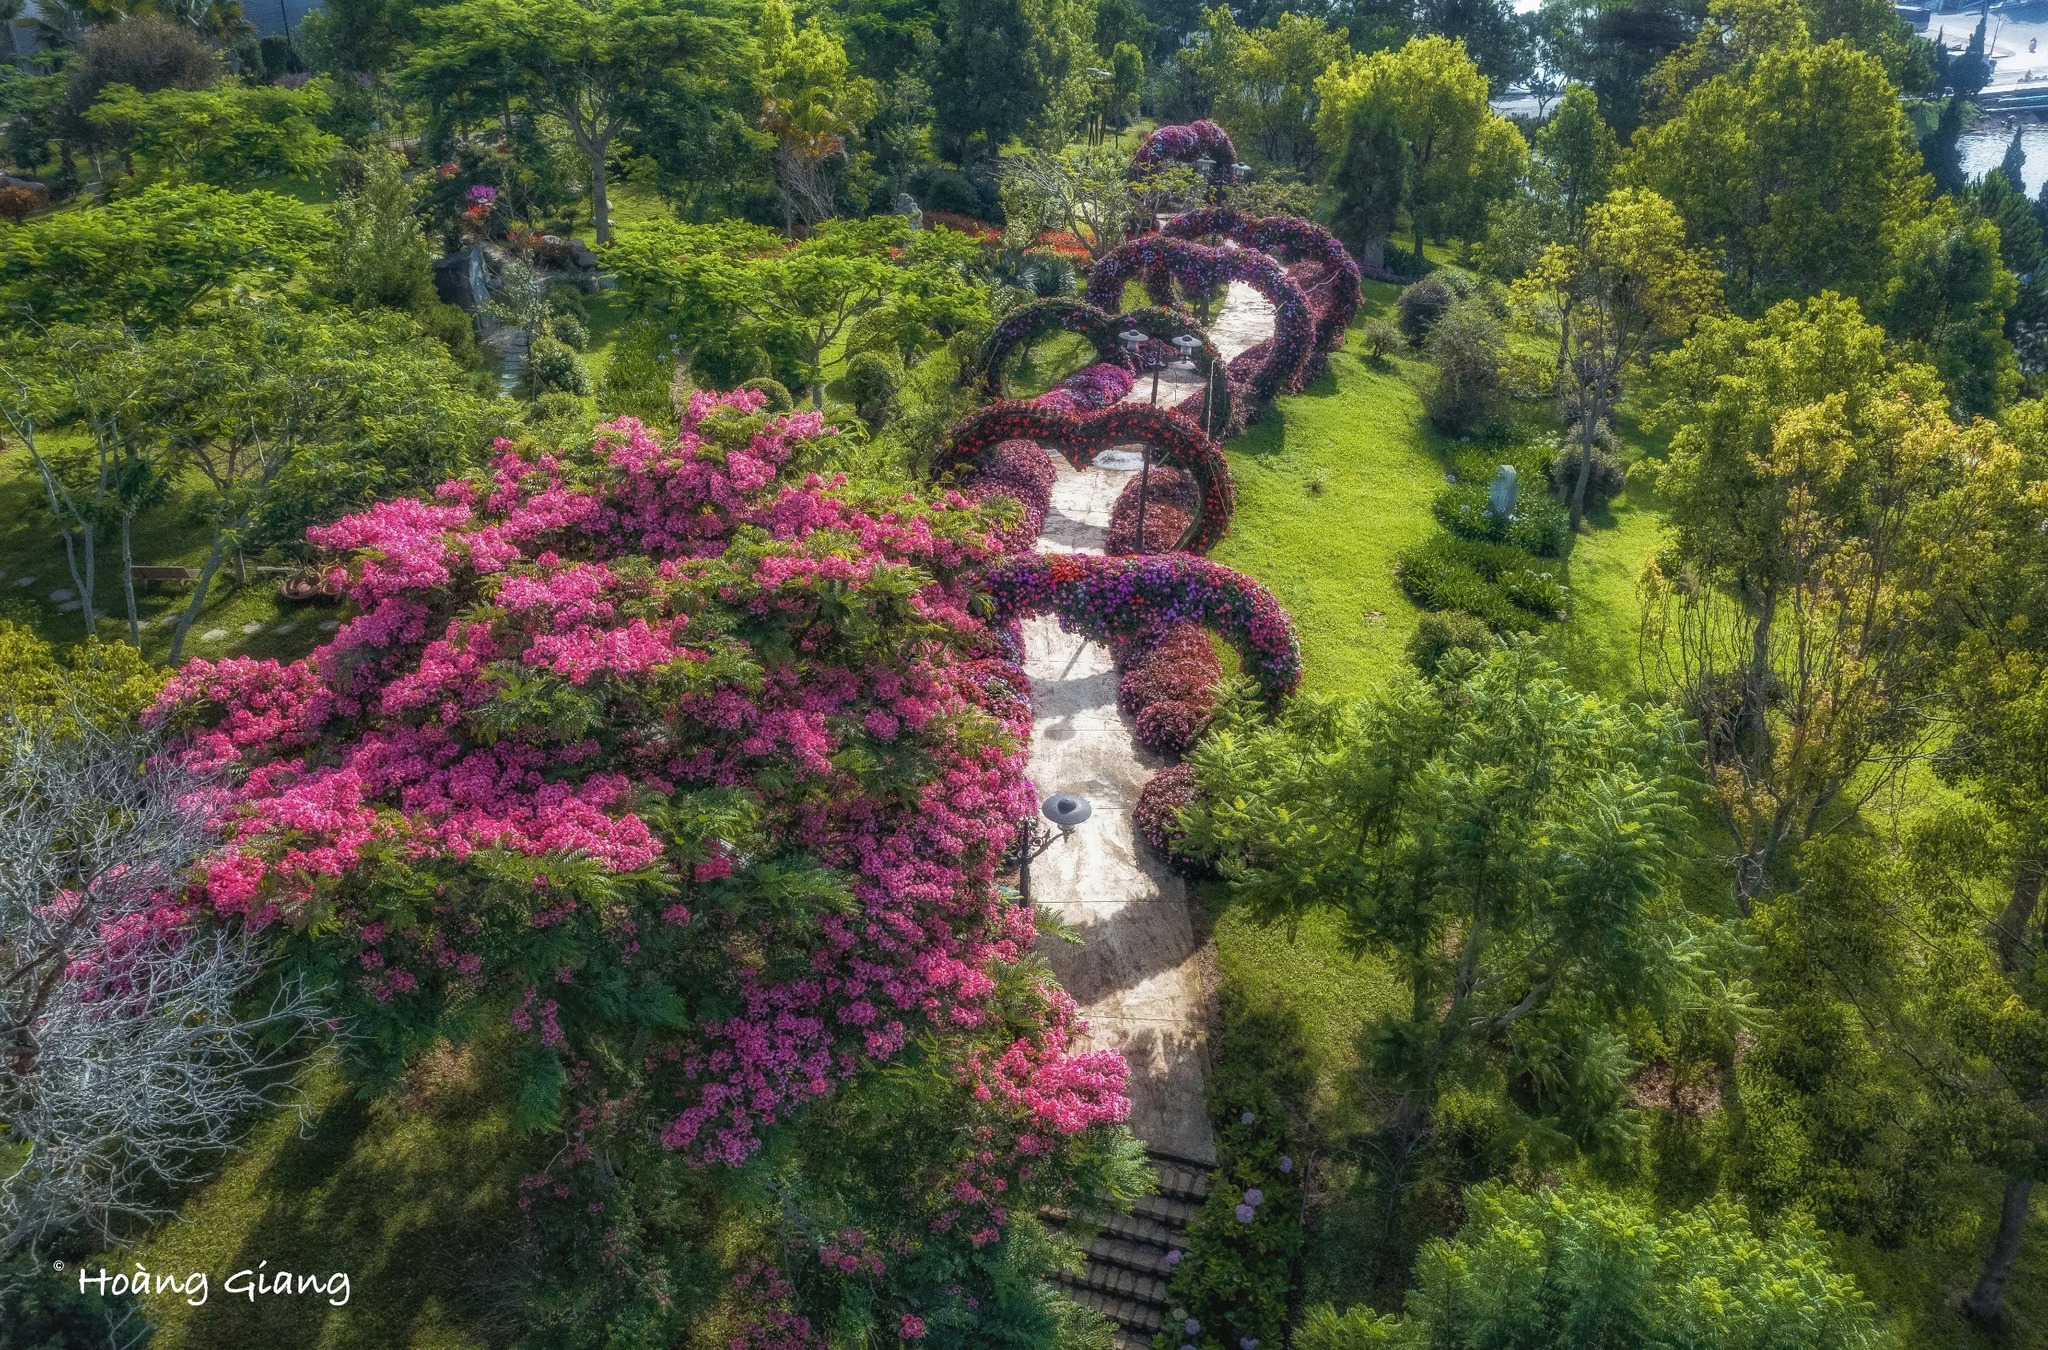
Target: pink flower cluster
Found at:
x=582, y=696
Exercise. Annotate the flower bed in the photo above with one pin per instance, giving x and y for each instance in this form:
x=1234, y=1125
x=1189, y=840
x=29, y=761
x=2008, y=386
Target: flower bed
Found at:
x=1111, y=598
x=1090, y=389
x=1184, y=144
x=1171, y=500
x=1200, y=267
x=1330, y=278
x=1170, y=689
x=1022, y=327
x=1178, y=441
x=1021, y=471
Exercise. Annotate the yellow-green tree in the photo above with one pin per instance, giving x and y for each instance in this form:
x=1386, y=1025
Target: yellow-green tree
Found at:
x=1267, y=93
x=1797, y=169
x=813, y=104
x=1630, y=283
x=1461, y=155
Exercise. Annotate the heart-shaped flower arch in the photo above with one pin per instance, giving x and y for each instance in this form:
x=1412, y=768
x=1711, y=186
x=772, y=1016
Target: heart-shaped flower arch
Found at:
x=1161, y=259
x=1336, y=294
x=1185, y=144
x=1179, y=442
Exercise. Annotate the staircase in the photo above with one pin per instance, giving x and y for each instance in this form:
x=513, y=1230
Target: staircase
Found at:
x=1125, y=1279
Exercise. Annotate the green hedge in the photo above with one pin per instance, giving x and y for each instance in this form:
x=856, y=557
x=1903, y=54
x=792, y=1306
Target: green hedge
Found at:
x=1508, y=587
x=1539, y=524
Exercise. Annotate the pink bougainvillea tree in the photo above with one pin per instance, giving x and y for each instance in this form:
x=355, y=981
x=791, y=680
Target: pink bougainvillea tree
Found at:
x=699, y=782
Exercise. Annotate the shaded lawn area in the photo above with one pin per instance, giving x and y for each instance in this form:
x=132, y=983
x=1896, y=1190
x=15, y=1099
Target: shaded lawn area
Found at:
x=410, y=1194
x=32, y=567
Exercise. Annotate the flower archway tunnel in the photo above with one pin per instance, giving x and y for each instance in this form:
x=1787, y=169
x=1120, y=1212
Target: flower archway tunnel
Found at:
x=1130, y=597
x=1335, y=287
x=1161, y=259
x=1178, y=442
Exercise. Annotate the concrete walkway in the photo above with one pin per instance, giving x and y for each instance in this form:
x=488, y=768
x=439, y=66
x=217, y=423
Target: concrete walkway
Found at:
x=1244, y=320
x=1140, y=977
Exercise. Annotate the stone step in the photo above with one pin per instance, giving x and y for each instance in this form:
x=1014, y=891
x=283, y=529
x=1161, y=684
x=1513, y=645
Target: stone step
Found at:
x=1135, y=1316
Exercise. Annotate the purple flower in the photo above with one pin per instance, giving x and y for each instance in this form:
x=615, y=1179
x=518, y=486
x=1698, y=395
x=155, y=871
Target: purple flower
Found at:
x=1247, y=1343
x=1247, y=1118
x=1245, y=1213
x=1173, y=1257
x=1286, y=1164
x=1255, y=1197
x=483, y=194
x=1192, y=1327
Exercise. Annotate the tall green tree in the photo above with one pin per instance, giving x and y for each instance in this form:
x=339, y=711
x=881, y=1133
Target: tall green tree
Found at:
x=1506, y=844
x=1461, y=154
x=588, y=64
x=1948, y=300
x=1368, y=181
x=380, y=251
x=229, y=135
x=1267, y=95
x=1799, y=172
x=1818, y=494
x=1628, y=285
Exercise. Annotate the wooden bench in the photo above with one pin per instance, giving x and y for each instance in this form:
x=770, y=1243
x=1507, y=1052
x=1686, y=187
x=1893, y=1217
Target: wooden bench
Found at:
x=164, y=576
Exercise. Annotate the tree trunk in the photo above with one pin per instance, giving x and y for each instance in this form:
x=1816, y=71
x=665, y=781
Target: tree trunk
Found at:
x=1589, y=430
x=213, y=562
x=600, y=203
x=1986, y=1302
x=128, y=578
x=2010, y=930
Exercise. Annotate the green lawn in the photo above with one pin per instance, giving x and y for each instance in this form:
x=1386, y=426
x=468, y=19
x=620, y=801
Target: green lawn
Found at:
x=410, y=1195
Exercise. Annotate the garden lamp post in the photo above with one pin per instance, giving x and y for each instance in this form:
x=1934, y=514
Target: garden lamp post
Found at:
x=1145, y=451
x=1189, y=344
x=1064, y=809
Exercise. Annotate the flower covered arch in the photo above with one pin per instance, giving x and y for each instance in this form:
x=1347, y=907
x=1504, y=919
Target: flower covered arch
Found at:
x=1023, y=327
x=1185, y=144
x=1179, y=442
x=1158, y=258
x=1121, y=598
x=1336, y=288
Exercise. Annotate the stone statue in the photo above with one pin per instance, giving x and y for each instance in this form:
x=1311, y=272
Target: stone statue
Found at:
x=1506, y=491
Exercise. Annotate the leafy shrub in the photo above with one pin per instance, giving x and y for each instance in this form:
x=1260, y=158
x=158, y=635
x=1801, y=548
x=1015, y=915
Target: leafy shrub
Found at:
x=1497, y=582
x=1538, y=524
x=570, y=331
x=1231, y=1289
x=1381, y=339
x=1445, y=631
x=1609, y=480
x=730, y=363
x=452, y=327
x=1467, y=393
x=556, y=408
x=870, y=384
x=779, y=400
x=1157, y=816
x=552, y=368
x=1423, y=303
x=1181, y=667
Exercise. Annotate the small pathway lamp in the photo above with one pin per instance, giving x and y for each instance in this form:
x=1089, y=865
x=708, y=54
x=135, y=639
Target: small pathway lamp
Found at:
x=1064, y=809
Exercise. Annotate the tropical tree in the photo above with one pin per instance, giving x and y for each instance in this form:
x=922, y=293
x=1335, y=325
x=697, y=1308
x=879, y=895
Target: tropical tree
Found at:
x=813, y=105
x=1819, y=496
x=1505, y=843
x=228, y=135
x=1461, y=155
x=1629, y=285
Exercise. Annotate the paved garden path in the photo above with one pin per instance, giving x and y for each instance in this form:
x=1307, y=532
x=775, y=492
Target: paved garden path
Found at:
x=1140, y=977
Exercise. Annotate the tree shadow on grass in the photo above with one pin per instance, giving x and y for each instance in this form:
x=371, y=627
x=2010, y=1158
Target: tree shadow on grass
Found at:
x=409, y=1194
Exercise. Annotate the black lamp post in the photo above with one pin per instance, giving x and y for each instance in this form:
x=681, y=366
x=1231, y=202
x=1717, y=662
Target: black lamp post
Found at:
x=1064, y=809
x=1189, y=344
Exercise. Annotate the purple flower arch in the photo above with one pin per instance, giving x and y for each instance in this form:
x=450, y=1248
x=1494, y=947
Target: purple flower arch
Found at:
x=1026, y=325
x=1185, y=144
x=1337, y=294
x=1157, y=257
x=1121, y=598
x=1179, y=441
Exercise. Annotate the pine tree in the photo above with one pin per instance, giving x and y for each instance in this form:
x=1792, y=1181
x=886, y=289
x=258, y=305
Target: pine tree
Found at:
x=1941, y=149
x=1368, y=183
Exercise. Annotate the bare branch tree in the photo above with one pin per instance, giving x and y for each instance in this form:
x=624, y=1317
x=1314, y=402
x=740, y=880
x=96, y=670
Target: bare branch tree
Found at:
x=127, y=1056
